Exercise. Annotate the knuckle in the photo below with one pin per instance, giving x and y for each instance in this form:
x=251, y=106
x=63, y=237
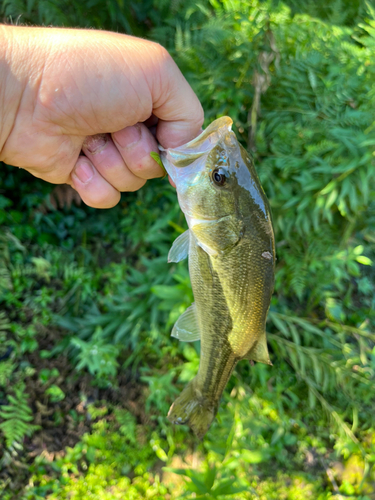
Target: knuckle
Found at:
x=162, y=52
x=199, y=115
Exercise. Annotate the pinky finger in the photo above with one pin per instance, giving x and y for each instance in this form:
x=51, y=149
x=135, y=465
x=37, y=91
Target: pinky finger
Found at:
x=94, y=190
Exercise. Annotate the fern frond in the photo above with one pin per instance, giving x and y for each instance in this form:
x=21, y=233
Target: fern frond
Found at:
x=323, y=357
x=332, y=413
x=127, y=424
x=4, y=322
x=16, y=417
x=6, y=369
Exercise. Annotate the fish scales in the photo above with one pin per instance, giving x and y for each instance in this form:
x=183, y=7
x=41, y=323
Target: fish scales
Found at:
x=231, y=250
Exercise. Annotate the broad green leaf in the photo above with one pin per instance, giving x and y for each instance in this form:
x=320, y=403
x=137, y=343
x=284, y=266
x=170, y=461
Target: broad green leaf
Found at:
x=362, y=259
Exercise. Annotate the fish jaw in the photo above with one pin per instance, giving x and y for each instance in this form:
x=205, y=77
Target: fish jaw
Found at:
x=186, y=165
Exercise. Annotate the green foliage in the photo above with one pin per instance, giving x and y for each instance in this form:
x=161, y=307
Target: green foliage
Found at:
x=97, y=355
x=206, y=484
x=156, y=157
x=95, y=286
x=106, y=455
x=339, y=12
x=327, y=363
x=16, y=417
x=127, y=424
x=72, y=13
x=161, y=392
x=55, y=393
x=314, y=142
x=314, y=147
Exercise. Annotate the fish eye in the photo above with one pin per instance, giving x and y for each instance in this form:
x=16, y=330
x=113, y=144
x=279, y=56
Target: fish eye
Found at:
x=219, y=177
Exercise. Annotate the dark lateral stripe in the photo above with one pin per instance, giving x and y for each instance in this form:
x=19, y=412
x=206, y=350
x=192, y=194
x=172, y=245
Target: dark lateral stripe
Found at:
x=219, y=363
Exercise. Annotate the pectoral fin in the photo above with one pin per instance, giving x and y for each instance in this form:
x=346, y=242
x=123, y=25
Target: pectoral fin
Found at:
x=186, y=327
x=216, y=237
x=180, y=248
x=259, y=352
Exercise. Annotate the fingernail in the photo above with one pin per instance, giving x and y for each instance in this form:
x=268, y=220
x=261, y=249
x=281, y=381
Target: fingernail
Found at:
x=83, y=171
x=95, y=143
x=129, y=136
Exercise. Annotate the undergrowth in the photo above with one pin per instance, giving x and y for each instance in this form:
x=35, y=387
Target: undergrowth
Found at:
x=87, y=366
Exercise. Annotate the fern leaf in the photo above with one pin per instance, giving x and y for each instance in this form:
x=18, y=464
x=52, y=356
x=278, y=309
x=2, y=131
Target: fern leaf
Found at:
x=16, y=418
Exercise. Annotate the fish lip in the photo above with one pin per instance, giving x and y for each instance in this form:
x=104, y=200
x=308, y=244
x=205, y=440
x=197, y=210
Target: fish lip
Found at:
x=182, y=156
x=220, y=126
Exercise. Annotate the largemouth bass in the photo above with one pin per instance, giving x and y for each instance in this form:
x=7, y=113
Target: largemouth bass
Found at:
x=231, y=249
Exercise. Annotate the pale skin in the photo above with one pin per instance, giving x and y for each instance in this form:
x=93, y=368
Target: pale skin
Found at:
x=86, y=108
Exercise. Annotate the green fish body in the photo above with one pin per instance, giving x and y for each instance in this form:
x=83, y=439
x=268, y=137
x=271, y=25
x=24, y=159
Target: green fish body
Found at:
x=231, y=249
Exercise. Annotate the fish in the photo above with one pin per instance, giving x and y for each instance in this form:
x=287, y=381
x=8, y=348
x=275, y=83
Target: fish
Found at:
x=230, y=246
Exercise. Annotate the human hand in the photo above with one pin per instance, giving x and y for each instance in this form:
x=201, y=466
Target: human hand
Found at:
x=67, y=92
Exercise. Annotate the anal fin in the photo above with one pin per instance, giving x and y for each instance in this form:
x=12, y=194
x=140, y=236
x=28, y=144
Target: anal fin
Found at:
x=259, y=351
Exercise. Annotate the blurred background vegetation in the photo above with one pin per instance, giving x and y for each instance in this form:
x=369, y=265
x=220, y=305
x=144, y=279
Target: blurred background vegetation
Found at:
x=87, y=299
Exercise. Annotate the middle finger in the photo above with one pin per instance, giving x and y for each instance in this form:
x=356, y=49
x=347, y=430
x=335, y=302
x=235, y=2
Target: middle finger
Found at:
x=106, y=158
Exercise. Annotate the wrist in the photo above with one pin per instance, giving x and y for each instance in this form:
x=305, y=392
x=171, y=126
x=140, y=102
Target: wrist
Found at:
x=10, y=86
x=18, y=67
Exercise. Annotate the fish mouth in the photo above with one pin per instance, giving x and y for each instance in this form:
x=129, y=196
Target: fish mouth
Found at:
x=202, y=144
x=175, y=159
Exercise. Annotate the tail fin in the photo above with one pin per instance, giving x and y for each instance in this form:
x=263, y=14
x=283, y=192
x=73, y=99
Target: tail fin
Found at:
x=193, y=409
